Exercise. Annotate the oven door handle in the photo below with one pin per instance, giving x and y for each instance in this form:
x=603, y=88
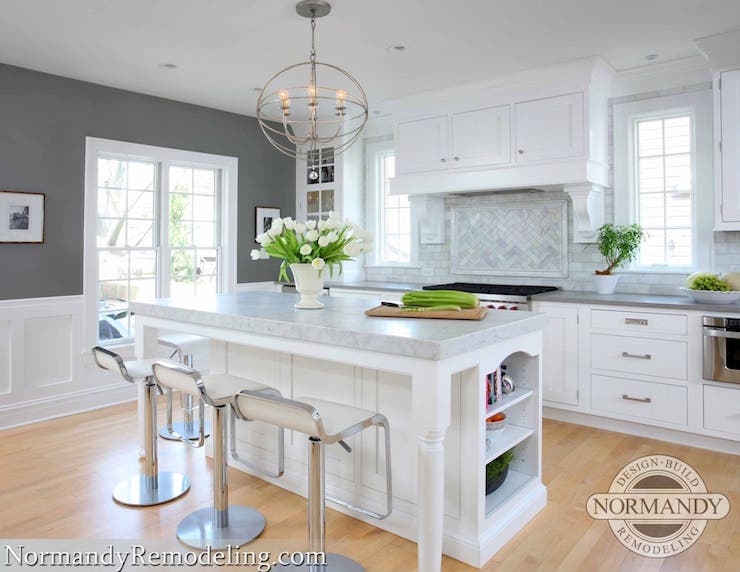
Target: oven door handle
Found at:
x=721, y=334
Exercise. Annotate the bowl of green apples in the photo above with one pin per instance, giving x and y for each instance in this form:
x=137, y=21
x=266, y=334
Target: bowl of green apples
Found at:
x=711, y=288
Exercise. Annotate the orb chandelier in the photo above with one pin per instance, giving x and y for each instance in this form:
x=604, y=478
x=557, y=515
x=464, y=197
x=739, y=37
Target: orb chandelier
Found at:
x=312, y=104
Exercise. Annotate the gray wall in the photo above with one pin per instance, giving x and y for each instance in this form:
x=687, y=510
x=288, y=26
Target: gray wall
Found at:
x=44, y=120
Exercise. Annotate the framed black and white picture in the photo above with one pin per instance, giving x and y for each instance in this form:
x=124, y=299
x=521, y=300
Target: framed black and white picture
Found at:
x=265, y=216
x=21, y=217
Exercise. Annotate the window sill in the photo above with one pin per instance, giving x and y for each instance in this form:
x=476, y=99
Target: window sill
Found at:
x=665, y=272
x=409, y=266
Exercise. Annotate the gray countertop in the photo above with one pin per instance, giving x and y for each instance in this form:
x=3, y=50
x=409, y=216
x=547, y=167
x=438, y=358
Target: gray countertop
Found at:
x=641, y=300
x=577, y=297
x=343, y=323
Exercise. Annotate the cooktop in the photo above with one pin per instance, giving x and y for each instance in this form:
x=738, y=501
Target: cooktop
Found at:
x=494, y=289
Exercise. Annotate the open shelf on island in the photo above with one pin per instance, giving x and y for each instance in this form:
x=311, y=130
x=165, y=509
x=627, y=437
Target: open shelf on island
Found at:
x=506, y=438
x=509, y=399
x=514, y=481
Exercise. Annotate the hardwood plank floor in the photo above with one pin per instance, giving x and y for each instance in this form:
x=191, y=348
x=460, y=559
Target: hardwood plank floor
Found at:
x=57, y=477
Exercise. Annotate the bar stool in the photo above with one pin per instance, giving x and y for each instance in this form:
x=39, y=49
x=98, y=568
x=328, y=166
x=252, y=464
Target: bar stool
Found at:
x=324, y=422
x=151, y=487
x=184, y=346
x=222, y=524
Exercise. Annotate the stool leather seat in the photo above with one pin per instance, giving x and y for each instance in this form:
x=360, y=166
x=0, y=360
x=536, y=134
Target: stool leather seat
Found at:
x=337, y=417
x=222, y=387
x=140, y=369
x=185, y=343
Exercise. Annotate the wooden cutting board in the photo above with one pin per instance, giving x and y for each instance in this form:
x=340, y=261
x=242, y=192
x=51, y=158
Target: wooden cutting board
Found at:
x=467, y=314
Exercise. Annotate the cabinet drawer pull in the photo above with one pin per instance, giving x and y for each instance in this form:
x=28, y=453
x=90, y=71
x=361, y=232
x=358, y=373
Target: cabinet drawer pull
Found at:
x=520, y=151
x=636, y=356
x=456, y=158
x=443, y=160
x=640, y=399
x=635, y=322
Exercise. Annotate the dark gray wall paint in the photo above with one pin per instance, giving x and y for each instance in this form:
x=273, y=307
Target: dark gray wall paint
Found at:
x=44, y=120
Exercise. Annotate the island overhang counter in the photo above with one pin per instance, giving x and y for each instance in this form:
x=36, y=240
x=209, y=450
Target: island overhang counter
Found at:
x=428, y=377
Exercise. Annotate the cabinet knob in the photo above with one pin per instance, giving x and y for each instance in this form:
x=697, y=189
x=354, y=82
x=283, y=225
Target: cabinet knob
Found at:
x=456, y=158
x=520, y=151
x=443, y=160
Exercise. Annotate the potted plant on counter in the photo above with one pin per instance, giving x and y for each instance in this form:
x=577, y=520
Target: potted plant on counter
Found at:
x=497, y=471
x=308, y=248
x=618, y=244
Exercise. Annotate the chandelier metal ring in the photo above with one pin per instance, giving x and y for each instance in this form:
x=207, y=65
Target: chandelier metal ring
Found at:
x=296, y=119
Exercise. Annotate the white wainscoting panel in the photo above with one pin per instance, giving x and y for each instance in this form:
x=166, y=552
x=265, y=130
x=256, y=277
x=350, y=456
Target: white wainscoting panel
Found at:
x=5, y=355
x=48, y=350
x=45, y=370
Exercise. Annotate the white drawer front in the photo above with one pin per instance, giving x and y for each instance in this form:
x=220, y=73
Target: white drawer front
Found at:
x=659, y=358
x=639, y=322
x=644, y=399
x=722, y=409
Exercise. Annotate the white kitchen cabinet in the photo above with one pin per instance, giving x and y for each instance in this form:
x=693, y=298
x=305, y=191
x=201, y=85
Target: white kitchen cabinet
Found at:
x=549, y=128
x=481, y=137
x=722, y=410
x=727, y=199
x=560, y=353
x=422, y=145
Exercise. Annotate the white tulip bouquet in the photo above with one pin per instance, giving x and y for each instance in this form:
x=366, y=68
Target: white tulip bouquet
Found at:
x=323, y=243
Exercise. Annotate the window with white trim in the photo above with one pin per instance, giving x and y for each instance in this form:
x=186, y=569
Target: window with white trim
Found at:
x=159, y=230
x=389, y=217
x=663, y=179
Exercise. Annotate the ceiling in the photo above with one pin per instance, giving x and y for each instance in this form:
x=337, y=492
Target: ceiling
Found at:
x=226, y=48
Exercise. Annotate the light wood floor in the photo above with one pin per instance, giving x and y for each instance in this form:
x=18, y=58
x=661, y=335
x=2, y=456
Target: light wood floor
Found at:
x=56, y=480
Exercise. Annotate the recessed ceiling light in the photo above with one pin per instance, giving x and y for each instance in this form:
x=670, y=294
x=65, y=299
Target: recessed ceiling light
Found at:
x=397, y=48
x=651, y=57
x=168, y=66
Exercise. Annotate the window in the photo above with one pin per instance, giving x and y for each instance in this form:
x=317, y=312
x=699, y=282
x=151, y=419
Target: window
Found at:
x=390, y=215
x=160, y=231
x=663, y=179
x=664, y=186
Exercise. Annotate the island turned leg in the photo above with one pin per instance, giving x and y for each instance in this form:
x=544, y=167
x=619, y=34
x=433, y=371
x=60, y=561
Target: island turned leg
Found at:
x=431, y=401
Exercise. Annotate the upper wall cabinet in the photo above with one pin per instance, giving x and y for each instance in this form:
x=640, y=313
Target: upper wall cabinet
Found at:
x=727, y=161
x=422, y=145
x=545, y=129
x=549, y=128
x=481, y=138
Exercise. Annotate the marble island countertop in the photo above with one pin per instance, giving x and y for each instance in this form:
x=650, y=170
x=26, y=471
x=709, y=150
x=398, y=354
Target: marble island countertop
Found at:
x=343, y=323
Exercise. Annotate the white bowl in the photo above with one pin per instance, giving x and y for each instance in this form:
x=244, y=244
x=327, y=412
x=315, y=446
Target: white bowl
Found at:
x=711, y=297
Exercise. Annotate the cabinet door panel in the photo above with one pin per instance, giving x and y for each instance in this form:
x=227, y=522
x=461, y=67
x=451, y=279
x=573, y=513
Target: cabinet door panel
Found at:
x=422, y=145
x=550, y=128
x=730, y=98
x=560, y=355
x=481, y=137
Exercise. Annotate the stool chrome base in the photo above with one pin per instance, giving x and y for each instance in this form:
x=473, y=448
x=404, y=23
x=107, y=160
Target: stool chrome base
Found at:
x=138, y=491
x=199, y=530
x=334, y=563
x=191, y=432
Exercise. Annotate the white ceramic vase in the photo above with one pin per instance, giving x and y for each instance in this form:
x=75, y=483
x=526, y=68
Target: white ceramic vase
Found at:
x=606, y=283
x=310, y=285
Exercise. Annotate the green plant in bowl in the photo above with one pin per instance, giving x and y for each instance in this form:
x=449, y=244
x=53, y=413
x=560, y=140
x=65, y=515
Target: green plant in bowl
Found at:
x=708, y=282
x=497, y=470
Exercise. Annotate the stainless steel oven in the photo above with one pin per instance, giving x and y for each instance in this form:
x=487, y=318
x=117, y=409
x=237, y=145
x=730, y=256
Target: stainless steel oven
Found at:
x=721, y=349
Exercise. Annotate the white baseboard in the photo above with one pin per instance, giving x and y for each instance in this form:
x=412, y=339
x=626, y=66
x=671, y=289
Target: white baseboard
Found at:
x=33, y=411
x=631, y=428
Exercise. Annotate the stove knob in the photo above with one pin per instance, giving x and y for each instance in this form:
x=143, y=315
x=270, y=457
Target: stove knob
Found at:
x=502, y=307
x=514, y=308
x=491, y=306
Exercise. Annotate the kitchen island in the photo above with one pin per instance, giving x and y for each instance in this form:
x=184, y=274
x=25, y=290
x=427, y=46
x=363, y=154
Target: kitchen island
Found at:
x=427, y=376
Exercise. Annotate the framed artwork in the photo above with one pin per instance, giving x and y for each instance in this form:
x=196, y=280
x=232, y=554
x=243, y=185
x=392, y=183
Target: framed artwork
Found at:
x=21, y=217
x=265, y=216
